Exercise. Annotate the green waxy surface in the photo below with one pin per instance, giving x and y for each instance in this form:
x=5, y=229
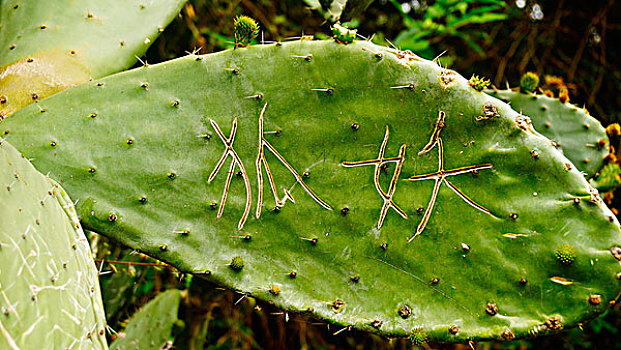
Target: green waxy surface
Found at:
x=46, y=47
x=151, y=327
x=49, y=291
x=137, y=149
x=577, y=134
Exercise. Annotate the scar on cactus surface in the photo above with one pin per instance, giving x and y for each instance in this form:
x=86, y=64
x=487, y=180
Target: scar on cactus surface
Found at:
x=47, y=49
x=439, y=202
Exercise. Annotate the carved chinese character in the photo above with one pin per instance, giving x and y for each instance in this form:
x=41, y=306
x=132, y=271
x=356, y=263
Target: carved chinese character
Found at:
x=235, y=161
x=379, y=163
x=440, y=176
x=261, y=161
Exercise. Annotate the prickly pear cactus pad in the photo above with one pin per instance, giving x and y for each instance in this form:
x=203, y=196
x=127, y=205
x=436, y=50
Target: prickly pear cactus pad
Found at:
x=48, y=281
x=608, y=178
x=372, y=188
x=156, y=318
x=573, y=131
x=46, y=47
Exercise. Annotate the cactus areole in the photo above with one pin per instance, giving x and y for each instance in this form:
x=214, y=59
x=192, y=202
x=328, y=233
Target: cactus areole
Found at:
x=405, y=200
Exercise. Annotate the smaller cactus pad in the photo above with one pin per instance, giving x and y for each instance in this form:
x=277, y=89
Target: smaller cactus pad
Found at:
x=50, y=297
x=571, y=129
x=151, y=327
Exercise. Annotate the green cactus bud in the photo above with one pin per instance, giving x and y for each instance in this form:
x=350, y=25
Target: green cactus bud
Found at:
x=419, y=337
x=479, y=84
x=342, y=34
x=529, y=82
x=237, y=263
x=565, y=254
x=245, y=30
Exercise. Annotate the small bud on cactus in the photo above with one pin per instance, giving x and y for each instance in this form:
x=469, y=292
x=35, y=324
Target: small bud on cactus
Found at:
x=237, y=263
x=563, y=94
x=418, y=337
x=565, y=254
x=342, y=34
x=275, y=290
x=529, y=82
x=613, y=129
x=478, y=83
x=245, y=29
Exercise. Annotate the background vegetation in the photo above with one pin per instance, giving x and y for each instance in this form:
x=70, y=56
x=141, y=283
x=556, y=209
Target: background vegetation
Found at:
x=576, y=41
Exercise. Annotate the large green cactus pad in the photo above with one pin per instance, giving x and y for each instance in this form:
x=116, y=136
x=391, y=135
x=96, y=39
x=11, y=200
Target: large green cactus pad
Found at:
x=49, y=290
x=340, y=128
x=46, y=47
x=580, y=136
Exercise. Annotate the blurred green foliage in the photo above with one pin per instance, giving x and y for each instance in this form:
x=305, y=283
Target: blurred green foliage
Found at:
x=425, y=25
